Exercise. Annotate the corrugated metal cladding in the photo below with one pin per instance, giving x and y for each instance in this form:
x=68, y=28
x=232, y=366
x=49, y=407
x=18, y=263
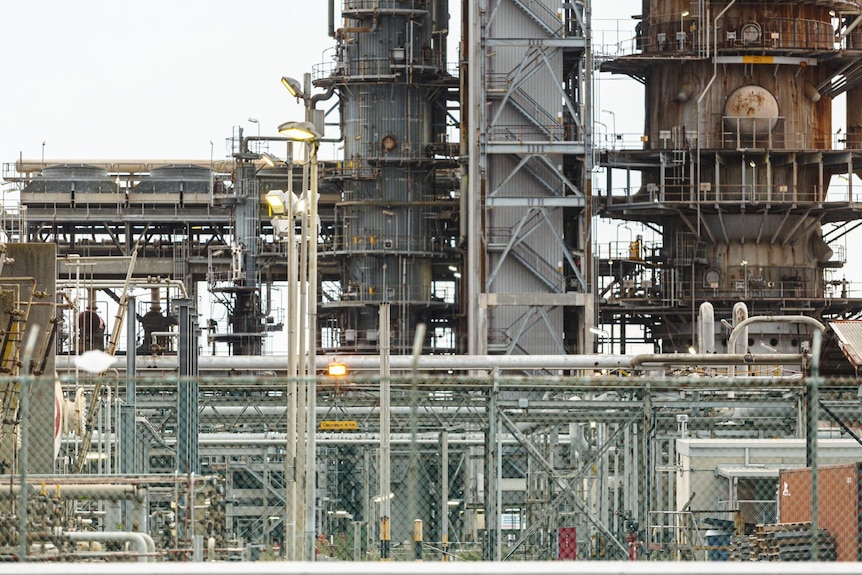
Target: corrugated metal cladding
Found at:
x=849, y=334
x=531, y=90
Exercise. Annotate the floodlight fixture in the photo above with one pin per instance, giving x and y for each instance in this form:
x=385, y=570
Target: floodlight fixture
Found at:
x=277, y=201
x=293, y=86
x=299, y=131
x=271, y=160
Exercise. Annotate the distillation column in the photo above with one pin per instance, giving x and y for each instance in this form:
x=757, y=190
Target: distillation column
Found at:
x=395, y=230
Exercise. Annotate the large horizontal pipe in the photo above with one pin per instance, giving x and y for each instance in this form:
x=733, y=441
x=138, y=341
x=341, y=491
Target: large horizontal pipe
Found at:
x=803, y=319
x=142, y=541
x=458, y=362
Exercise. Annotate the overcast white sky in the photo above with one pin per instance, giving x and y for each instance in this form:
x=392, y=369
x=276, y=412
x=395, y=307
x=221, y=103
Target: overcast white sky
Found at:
x=153, y=79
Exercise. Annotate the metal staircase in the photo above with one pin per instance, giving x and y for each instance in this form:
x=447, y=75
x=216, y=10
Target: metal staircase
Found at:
x=547, y=19
x=273, y=485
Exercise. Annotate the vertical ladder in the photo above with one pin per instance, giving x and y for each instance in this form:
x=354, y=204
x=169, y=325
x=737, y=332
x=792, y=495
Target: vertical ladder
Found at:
x=181, y=254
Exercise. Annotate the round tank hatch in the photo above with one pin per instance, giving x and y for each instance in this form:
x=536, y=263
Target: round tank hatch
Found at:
x=751, y=110
x=750, y=33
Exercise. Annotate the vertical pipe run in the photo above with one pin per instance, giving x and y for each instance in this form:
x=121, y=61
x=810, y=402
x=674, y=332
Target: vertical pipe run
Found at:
x=383, y=498
x=187, y=400
x=444, y=494
x=357, y=540
x=129, y=443
x=413, y=471
x=310, y=468
x=310, y=237
x=493, y=466
x=290, y=547
x=23, y=454
x=24, y=411
x=811, y=441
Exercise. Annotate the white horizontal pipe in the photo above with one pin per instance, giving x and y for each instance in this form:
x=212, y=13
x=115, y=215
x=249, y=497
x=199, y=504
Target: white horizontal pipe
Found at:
x=372, y=362
x=455, y=362
x=144, y=543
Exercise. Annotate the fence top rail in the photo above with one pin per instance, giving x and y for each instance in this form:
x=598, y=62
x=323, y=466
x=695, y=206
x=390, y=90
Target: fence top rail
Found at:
x=448, y=568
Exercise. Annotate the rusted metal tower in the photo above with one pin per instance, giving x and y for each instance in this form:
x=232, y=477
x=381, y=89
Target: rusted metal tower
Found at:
x=741, y=172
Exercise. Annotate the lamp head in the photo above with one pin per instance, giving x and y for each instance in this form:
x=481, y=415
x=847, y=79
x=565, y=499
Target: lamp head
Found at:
x=270, y=160
x=293, y=86
x=277, y=201
x=282, y=227
x=299, y=131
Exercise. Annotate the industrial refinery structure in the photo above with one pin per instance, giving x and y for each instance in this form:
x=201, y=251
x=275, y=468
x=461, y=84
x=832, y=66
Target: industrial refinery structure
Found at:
x=452, y=260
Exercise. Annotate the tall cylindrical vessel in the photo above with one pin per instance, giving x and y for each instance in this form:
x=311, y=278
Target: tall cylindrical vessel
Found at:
x=396, y=226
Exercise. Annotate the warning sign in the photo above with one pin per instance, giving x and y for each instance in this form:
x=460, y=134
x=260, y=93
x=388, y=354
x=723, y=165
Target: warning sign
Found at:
x=348, y=425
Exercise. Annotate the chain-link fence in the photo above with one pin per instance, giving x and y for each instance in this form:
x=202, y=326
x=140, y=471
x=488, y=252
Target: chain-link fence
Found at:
x=634, y=465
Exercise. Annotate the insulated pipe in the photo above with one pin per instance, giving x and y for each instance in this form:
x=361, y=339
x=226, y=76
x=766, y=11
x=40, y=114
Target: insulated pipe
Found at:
x=449, y=362
x=743, y=326
x=740, y=314
x=372, y=362
x=144, y=542
x=706, y=328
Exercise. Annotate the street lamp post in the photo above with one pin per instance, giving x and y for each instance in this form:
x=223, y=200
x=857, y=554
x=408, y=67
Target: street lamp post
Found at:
x=307, y=132
x=311, y=357
x=307, y=314
x=284, y=207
